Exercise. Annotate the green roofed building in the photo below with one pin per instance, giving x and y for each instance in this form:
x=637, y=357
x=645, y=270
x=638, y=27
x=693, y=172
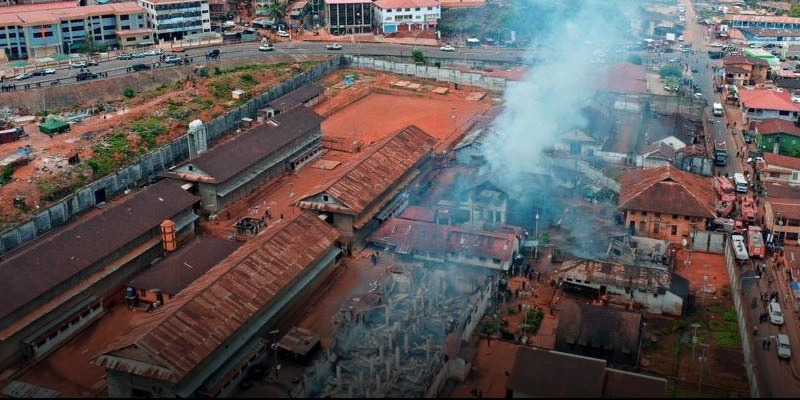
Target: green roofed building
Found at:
x=773, y=61
x=53, y=126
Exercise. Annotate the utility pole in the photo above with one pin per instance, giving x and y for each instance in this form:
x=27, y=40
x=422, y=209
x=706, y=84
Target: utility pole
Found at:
x=694, y=338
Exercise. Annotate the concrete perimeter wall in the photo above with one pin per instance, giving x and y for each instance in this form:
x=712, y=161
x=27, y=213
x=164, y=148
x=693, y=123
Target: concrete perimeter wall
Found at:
x=442, y=74
x=152, y=164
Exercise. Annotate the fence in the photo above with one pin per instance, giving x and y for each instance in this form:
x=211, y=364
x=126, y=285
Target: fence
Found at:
x=150, y=165
x=738, y=303
x=475, y=79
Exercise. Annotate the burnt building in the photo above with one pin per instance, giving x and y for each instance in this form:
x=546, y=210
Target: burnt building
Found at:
x=202, y=343
x=552, y=374
x=57, y=285
x=236, y=169
x=599, y=332
x=379, y=186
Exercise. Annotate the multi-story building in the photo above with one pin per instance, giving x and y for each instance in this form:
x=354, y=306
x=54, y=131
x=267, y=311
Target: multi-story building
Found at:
x=666, y=203
x=782, y=213
x=743, y=70
x=45, y=30
x=777, y=136
x=781, y=169
x=761, y=104
x=348, y=16
x=406, y=15
x=178, y=19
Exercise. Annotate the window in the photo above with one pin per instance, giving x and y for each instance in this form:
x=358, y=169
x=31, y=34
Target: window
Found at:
x=655, y=229
x=496, y=261
x=674, y=230
x=794, y=176
x=784, y=113
x=644, y=213
x=774, y=175
x=674, y=216
x=124, y=17
x=643, y=226
x=130, y=39
x=685, y=218
x=325, y=198
x=417, y=9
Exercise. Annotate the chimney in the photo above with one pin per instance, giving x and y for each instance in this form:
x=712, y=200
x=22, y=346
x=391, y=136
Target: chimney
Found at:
x=168, y=241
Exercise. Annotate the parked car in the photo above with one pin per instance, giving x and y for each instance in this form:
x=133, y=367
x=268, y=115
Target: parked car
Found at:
x=756, y=46
x=23, y=76
x=38, y=72
x=335, y=46
x=79, y=64
x=757, y=159
x=138, y=55
x=447, y=48
x=282, y=33
x=49, y=71
x=214, y=53
x=775, y=313
x=783, y=346
x=92, y=63
x=172, y=59
x=124, y=57
x=698, y=95
x=85, y=75
x=140, y=67
x=266, y=47
x=156, y=52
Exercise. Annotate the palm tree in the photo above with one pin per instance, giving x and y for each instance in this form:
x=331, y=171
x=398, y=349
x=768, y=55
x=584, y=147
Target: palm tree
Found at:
x=276, y=10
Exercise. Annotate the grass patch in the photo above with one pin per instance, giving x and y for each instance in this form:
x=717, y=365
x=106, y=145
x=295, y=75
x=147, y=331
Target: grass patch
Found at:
x=221, y=88
x=149, y=129
x=728, y=340
x=248, y=81
x=202, y=104
x=177, y=111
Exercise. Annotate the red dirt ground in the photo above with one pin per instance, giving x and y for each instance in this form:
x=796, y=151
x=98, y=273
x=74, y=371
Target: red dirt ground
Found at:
x=68, y=369
x=377, y=115
x=700, y=265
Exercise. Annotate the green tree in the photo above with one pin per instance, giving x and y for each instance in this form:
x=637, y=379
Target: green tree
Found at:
x=129, y=93
x=276, y=10
x=418, y=56
x=670, y=72
x=89, y=46
x=635, y=59
x=794, y=11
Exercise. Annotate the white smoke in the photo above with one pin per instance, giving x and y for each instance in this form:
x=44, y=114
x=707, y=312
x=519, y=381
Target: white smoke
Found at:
x=568, y=66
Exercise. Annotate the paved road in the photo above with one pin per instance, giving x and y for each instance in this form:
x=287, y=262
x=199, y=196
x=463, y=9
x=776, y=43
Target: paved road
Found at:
x=777, y=378
x=297, y=49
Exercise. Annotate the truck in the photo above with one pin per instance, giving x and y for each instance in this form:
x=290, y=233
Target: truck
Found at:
x=740, y=183
x=739, y=248
x=720, y=153
x=755, y=242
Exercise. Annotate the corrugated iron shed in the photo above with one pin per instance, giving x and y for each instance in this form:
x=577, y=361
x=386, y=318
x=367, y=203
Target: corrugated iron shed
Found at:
x=376, y=173
x=184, y=333
x=49, y=261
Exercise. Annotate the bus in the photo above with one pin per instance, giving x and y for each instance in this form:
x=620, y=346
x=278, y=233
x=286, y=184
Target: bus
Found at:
x=739, y=247
x=740, y=182
x=473, y=42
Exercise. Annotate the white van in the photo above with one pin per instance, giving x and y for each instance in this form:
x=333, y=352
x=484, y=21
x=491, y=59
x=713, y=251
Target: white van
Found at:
x=718, y=110
x=775, y=313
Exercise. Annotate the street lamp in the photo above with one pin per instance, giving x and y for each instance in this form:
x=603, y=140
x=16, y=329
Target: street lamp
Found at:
x=694, y=338
x=703, y=359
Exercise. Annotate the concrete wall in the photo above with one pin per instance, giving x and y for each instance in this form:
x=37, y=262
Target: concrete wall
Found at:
x=150, y=165
x=441, y=74
x=709, y=242
x=585, y=169
x=744, y=332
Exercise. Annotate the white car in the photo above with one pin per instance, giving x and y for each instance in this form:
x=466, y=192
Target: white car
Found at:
x=79, y=64
x=775, y=313
x=716, y=44
x=266, y=47
x=282, y=33
x=783, y=346
x=49, y=71
x=447, y=48
x=335, y=46
x=757, y=159
x=756, y=46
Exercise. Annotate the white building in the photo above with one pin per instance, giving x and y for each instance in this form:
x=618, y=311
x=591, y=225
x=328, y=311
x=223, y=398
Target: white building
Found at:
x=177, y=19
x=406, y=15
x=654, y=289
x=761, y=104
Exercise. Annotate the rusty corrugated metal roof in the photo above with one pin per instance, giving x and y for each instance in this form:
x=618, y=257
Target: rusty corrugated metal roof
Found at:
x=31, y=271
x=377, y=172
x=184, y=333
x=667, y=190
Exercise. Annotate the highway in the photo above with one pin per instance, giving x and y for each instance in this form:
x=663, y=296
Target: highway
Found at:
x=298, y=50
